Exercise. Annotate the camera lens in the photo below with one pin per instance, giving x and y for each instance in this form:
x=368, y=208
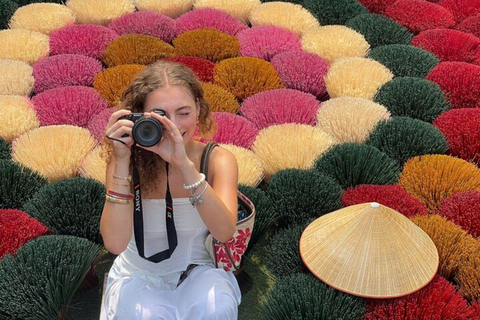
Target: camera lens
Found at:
x=147, y=132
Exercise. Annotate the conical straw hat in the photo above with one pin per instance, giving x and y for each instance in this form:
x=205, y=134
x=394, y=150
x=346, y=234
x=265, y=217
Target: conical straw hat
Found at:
x=369, y=250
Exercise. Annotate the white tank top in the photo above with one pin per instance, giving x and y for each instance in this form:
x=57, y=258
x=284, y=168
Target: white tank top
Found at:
x=191, y=234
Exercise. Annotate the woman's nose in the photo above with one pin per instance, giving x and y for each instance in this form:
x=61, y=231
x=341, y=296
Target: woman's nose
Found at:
x=175, y=121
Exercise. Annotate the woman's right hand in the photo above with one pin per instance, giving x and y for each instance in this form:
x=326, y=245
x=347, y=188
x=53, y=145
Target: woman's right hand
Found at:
x=117, y=129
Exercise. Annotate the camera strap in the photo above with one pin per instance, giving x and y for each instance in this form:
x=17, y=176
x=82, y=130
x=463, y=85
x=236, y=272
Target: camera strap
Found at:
x=138, y=220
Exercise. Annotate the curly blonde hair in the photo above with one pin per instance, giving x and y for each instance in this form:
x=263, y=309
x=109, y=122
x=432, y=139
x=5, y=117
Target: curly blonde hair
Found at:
x=153, y=77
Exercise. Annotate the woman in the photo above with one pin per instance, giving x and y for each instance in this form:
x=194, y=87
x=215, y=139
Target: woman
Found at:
x=186, y=285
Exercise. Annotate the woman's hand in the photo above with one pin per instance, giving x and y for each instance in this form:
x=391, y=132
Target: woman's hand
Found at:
x=117, y=129
x=171, y=147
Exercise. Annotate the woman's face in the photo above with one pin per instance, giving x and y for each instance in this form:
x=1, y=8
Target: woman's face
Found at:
x=179, y=106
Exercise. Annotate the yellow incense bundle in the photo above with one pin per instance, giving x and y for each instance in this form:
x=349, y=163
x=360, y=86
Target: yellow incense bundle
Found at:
x=240, y=9
x=17, y=116
x=350, y=119
x=356, y=77
x=290, y=146
x=250, y=166
x=42, y=17
x=24, y=45
x=171, y=8
x=334, y=42
x=99, y=12
x=17, y=78
x=54, y=151
x=285, y=15
x=94, y=165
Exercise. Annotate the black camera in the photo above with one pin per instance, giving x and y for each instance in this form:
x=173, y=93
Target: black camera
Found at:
x=146, y=131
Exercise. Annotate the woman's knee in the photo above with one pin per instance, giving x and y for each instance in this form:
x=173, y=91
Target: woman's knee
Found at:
x=142, y=305
x=215, y=295
x=225, y=304
x=223, y=310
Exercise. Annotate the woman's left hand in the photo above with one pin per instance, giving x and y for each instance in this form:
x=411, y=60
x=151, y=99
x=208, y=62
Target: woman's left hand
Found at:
x=171, y=147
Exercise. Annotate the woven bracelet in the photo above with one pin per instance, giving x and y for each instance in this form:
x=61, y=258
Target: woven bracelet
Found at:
x=120, y=195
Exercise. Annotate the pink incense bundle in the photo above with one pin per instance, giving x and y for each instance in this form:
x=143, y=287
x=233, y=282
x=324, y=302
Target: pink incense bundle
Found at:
x=265, y=42
x=88, y=40
x=98, y=123
x=147, y=23
x=280, y=106
x=302, y=71
x=65, y=70
x=209, y=18
x=234, y=129
x=68, y=105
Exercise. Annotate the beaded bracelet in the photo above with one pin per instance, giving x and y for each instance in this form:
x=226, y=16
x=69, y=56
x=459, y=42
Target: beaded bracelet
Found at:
x=196, y=184
x=129, y=178
x=113, y=199
x=121, y=184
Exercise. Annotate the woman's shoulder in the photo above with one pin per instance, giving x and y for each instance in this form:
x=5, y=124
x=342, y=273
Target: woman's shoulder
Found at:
x=217, y=154
x=221, y=160
x=222, y=156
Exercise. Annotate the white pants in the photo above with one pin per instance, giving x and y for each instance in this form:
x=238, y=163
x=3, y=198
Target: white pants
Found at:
x=206, y=294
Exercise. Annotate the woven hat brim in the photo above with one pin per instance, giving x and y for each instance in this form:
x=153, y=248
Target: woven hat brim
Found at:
x=369, y=252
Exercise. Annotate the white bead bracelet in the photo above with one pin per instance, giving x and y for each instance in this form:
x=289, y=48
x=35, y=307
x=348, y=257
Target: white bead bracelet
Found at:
x=196, y=184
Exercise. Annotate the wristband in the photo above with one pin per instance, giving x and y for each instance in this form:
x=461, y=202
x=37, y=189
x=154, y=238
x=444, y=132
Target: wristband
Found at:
x=120, y=195
x=110, y=198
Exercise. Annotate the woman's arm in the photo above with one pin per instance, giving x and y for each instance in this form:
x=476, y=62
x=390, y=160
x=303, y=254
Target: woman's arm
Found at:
x=116, y=222
x=219, y=207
